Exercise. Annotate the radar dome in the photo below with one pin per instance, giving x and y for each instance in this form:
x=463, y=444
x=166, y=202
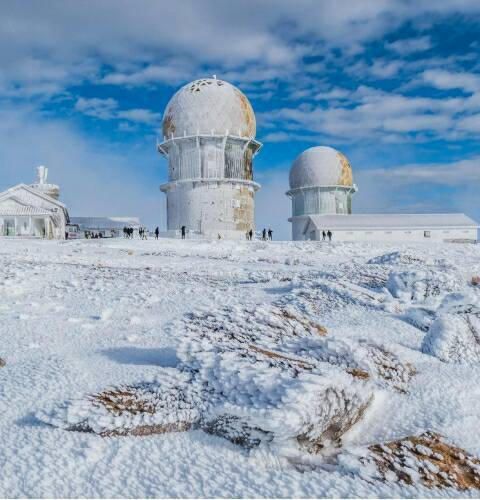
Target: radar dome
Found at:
x=209, y=106
x=321, y=166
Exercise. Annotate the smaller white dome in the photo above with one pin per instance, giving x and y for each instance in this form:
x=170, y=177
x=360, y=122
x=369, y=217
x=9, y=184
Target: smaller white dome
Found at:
x=321, y=166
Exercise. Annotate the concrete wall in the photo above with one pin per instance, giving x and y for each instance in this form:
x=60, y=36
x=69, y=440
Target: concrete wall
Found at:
x=211, y=208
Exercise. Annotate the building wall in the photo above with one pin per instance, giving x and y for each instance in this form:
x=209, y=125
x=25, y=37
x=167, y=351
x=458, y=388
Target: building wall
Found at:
x=19, y=211
x=214, y=157
x=210, y=189
x=400, y=235
x=211, y=208
x=321, y=201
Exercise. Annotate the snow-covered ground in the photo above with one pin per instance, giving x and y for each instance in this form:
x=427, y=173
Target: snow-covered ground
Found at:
x=77, y=317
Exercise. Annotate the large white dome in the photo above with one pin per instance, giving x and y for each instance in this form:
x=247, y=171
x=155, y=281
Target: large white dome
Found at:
x=206, y=106
x=321, y=166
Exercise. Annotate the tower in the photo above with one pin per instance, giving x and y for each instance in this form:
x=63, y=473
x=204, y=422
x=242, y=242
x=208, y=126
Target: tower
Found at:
x=209, y=141
x=51, y=190
x=321, y=183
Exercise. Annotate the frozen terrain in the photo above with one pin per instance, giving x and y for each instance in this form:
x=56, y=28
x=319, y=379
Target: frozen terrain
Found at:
x=78, y=317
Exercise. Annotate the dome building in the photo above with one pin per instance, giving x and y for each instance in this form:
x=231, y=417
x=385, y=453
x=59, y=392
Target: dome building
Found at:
x=321, y=190
x=209, y=132
x=321, y=182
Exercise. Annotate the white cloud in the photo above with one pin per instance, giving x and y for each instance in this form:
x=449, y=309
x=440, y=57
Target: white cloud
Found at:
x=410, y=45
x=449, y=80
x=104, y=109
x=107, y=109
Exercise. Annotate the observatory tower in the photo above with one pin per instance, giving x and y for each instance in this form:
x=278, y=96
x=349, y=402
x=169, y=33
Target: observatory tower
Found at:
x=321, y=183
x=209, y=140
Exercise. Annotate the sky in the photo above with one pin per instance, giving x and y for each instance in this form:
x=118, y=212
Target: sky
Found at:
x=393, y=84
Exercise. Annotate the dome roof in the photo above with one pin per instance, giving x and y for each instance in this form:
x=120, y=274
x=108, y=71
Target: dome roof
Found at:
x=321, y=166
x=209, y=105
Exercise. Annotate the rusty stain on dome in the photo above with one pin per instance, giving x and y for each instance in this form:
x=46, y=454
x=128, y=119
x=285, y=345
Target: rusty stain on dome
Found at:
x=346, y=176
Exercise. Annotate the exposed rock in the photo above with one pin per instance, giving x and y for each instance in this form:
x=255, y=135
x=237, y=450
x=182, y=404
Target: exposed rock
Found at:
x=139, y=410
x=427, y=459
x=2, y=363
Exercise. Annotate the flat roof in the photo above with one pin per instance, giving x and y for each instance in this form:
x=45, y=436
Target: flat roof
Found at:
x=389, y=221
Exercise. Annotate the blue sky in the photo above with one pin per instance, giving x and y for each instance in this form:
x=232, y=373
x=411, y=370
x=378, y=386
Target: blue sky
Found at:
x=395, y=85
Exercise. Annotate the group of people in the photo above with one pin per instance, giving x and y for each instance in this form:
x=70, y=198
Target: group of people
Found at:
x=91, y=235
x=128, y=232
x=325, y=234
x=265, y=235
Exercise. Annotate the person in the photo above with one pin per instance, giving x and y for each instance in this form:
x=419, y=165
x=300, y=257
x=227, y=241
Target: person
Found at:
x=66, y=235
x=329, y=235
x=250, y=233
x=270, y=233
x=324, y=235
x=264, y=234
x=157, y=232
x=184, y=231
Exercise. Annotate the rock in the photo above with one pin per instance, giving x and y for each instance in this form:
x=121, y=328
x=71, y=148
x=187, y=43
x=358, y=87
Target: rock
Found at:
x=396, y=258
x=263, y=382
x=454, y=336
x=421, y=287
x=237, y=431
x=138, y=410
x=2, y=363
x=427, y=459
x=475, y=280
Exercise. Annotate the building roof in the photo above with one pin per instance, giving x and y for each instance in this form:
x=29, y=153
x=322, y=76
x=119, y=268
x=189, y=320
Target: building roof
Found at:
x=390, y=221
x=32, y=190
x=25, y=204
x=209, y=106
x=101, y=223
x=321, y=166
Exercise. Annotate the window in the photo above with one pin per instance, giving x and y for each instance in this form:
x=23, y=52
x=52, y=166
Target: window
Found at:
x=426, y=234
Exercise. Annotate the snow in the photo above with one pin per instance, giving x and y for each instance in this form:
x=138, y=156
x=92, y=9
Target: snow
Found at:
x=389, y=221
x=80, y=317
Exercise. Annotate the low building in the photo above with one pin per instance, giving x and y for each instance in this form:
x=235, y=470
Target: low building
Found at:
x=104, y=227
x=388, y=227
x=33, y=210
x=321, y=190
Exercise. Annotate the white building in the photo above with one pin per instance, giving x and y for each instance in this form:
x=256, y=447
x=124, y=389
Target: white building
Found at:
x=209, y=139
x=106, y=227
x=33, y=210
x=321, y=190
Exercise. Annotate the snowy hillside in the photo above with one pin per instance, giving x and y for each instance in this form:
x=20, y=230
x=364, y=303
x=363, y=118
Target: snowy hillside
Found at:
x=234, y=369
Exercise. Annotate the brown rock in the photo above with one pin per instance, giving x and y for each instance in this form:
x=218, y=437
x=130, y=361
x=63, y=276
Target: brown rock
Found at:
x=427, y=458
